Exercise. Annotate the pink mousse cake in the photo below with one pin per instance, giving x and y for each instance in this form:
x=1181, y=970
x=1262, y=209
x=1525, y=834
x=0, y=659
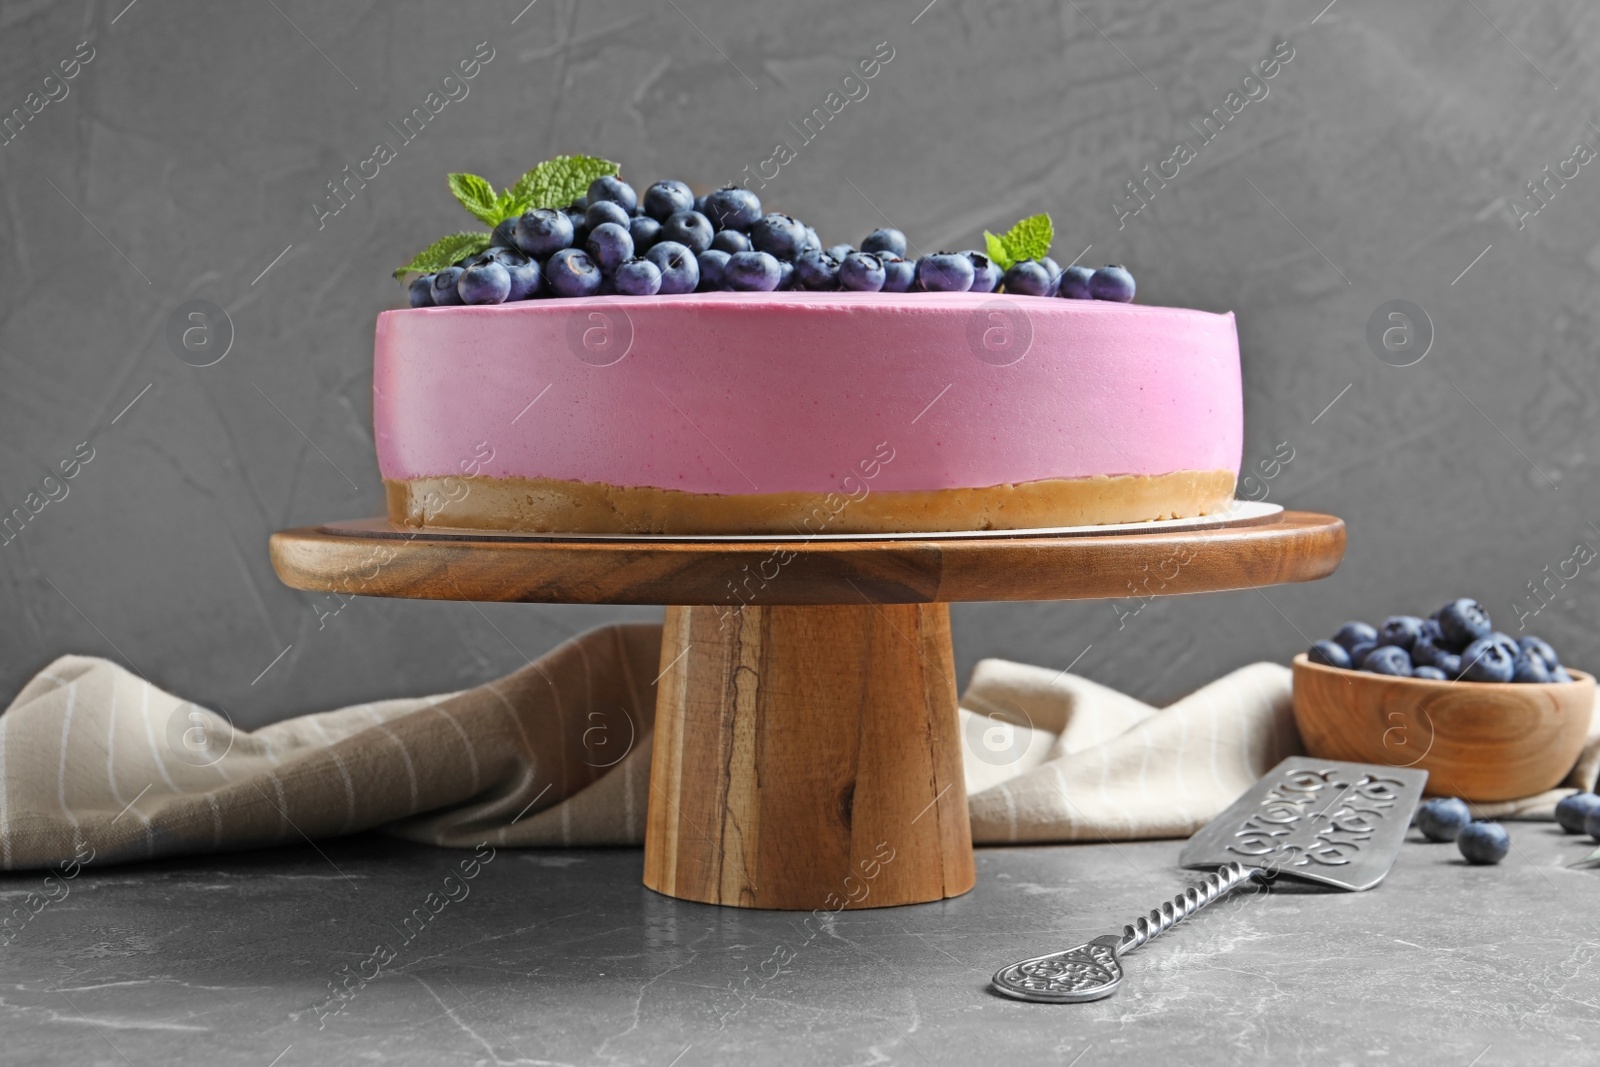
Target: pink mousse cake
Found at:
x=805, y=412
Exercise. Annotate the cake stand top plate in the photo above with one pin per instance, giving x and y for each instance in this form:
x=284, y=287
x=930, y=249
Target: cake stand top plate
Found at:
x=373, y=557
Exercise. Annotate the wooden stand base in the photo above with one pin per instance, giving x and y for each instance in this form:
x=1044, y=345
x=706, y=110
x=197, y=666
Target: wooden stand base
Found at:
x=808, y=757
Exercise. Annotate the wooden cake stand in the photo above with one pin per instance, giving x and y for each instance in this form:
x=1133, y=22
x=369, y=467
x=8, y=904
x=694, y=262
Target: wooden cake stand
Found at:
x=806, y=752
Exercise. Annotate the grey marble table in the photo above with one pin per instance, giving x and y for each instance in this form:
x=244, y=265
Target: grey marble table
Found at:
x=563, y=958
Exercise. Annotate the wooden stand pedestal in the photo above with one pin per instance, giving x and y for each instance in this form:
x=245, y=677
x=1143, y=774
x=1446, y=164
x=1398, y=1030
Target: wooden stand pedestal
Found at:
x=808, y=758
x=806, y=753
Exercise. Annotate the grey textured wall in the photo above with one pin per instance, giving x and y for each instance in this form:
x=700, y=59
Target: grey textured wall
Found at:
x=1387, y=156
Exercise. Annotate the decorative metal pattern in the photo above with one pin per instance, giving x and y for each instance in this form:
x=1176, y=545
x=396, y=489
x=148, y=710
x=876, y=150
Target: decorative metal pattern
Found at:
x=1087, y=972
x=1323, y=820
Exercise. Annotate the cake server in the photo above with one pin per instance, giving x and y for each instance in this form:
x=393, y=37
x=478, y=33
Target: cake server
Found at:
x=1326, y=821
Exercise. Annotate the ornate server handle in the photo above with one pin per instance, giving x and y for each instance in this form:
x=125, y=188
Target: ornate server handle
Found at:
x=1092, y=971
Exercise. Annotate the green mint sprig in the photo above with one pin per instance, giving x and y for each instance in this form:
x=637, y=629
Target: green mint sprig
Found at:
x=1028, y=239
x=554, y=183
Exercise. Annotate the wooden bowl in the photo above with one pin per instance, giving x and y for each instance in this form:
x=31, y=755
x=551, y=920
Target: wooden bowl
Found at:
x=1477, y=740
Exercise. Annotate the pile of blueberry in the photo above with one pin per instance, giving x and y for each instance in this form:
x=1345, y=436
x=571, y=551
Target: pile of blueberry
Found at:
x=671, y=241
x=1456, y=643
x=1449, y=819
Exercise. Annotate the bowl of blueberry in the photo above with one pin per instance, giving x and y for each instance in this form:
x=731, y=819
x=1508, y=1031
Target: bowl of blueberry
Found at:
x=1488, y=716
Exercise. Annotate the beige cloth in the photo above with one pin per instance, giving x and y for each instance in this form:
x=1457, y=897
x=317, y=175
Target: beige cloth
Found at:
x=96, y=761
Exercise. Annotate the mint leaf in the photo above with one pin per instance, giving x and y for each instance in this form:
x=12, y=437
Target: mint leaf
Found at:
x=1029, y=239
x=998, y=251
x=477, y=196
x=556, y=183
x=1591, y=860
x=444, y=252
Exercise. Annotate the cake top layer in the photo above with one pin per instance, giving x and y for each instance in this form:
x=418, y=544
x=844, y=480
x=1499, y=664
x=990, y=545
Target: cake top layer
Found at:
x=912, y=302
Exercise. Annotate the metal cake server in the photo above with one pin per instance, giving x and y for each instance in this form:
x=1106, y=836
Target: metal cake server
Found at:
x=1340, y=824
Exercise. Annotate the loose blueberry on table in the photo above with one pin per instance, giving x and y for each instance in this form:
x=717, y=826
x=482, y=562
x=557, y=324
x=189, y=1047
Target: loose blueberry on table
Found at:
x=1573, y=811
x=1483, y=843
x=1442, y=818
x=1456, y=643
x=572, y=227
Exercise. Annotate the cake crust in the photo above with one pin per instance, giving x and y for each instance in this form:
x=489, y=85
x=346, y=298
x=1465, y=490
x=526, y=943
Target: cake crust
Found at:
x=550, y=505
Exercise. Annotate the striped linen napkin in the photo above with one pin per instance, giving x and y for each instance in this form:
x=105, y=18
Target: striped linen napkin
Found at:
x=98, y=765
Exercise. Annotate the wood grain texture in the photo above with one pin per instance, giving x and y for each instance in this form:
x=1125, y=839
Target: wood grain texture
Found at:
x=808, y=758
x=374, y=558
x=1477, y=740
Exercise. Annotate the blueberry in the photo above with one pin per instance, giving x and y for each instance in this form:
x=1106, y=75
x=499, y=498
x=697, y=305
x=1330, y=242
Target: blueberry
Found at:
x=1028, y=277
x=1571, y=812
x=1400, y=631
x=1431, y=631
x=444, y=287
x=863, y=272
x=571, y=272
x=700, y=206
x=1112, y=282
x=899, y=274
x=838, y=252
x=1054, y=269
x=1388, y=659
x=1074, y=284
x=580, y=230
x=985, y=274
x=680, y=270
x=486, y=283
x=1359, y=652
x=732, y=208
x=713, y=266
x=1432, y=674
x=604, y=211
x=812, y=241
x=420, y=291
x=1463, y=622
x=613, y=189
x=542, y=233
x=1541, y=649
x=885, y=239
x=1559, y=674
x=665, y=199
x=730, y=241
x=816, y=270
x=1426, y=651
x=638, y=277
x=690, y=229
x=1352, y=634
x=505, y=233
x=527, y=278
x=578, y=206
x=1441, y=818
x=1329, y=654
x=786, y=276
x=1487, y=660
x=1529, y=668
x=1483, y=842
x=506, y=256
x=778, y=235
x=645, y=232
x=752, y=272
x=1449, y=663
x=944, y=272
x=609, y=244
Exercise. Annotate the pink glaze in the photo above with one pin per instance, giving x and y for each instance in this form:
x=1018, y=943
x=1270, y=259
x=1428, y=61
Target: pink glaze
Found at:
x=766, y=392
